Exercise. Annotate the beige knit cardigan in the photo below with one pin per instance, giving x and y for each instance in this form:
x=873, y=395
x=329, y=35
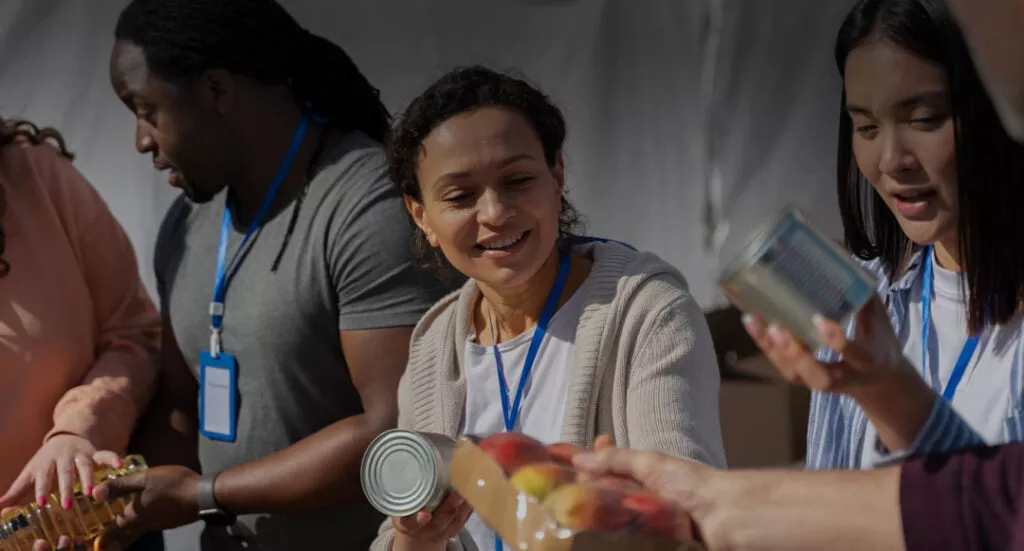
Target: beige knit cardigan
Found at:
x=643, y=371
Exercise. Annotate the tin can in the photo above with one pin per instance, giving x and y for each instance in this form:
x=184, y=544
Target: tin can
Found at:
x=790, y=271
x=405, y=471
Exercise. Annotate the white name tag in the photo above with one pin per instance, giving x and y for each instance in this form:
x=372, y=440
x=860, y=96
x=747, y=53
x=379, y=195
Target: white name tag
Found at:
x=218, y=389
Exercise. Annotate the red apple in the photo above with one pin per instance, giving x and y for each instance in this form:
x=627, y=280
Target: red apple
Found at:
x=512, y=450
x=563, y=452
x=653, y=513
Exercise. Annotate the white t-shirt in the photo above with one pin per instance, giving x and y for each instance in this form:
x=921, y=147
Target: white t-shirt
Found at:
x=543, y=402
x=983, y=396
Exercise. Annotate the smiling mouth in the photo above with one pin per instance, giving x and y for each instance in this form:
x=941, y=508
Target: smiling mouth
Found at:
x=502, y=244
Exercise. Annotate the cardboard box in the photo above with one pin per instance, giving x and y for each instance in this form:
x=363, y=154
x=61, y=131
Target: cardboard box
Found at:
x=522, y=521
x=763, y=417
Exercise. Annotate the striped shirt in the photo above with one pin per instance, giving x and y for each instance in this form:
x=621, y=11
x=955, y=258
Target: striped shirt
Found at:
x=838, y=429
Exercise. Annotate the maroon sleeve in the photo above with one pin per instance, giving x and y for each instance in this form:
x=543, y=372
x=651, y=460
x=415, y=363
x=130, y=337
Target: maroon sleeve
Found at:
x=973, y=499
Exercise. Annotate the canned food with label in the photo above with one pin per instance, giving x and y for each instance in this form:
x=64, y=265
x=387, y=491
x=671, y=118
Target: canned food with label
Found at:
x=790, y=271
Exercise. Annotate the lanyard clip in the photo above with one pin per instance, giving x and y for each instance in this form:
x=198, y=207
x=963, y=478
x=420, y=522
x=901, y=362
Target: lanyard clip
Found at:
x=215, y=341
x=216, y=312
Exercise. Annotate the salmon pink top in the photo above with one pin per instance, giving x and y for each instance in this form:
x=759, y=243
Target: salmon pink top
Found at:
x=79, y=335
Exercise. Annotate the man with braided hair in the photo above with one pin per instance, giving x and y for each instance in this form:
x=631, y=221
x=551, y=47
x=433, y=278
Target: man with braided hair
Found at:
x=286, y=275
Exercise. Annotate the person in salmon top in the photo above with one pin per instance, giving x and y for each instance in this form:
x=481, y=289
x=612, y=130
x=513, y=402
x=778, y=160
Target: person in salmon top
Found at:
x=79, y=336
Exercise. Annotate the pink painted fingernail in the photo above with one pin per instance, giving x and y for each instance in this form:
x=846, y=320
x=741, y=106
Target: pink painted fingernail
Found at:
x=88, y=490
x=66, y=503
x=41, y=500
x=823, y=327
x=779, y=339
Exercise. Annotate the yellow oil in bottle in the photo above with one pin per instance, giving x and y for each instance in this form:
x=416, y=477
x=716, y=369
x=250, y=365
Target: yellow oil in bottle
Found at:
x=86, y=519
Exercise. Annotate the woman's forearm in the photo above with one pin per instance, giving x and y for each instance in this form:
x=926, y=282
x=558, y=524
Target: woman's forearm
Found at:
x=104, y=408
x=898, y=408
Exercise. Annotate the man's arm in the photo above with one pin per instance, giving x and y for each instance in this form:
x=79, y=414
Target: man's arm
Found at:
x=768, y=509
x=166, y=434
x=972, y=499
x=794, y=510
x=322, y=470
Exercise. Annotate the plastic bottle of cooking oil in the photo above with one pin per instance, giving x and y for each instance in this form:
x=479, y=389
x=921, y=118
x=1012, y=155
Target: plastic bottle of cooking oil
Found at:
x=86, y=519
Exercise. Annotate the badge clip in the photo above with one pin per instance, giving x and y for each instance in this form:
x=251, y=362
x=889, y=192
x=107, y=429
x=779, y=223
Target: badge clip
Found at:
x=214, y=341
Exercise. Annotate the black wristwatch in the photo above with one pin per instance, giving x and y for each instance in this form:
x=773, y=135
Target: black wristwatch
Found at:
x=209, y=510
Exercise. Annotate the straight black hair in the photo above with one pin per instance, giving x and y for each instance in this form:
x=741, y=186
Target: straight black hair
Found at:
x=990, y=165
x=258, y=39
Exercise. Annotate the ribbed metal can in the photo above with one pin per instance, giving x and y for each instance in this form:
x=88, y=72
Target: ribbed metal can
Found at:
x=790, y=271
x=405, y=471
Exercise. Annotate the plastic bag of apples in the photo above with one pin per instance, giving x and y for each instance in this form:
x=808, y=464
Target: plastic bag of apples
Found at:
x=536, y=501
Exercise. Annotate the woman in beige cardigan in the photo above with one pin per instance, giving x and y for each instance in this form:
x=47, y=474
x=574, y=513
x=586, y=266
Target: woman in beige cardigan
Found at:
x=609, y=339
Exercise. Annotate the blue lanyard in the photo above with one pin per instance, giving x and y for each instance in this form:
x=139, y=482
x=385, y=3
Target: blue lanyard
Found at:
x=926, y=310
x=219, y=280
x=511, y=414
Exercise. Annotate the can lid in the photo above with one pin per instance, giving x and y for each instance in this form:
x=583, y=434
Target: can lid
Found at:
x=399, y=473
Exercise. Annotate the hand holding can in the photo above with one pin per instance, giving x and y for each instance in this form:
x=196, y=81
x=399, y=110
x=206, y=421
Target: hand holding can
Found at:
x=799, y=290
x=405, y=476
x=425, y=529
x=871, y=357
x=790, y=273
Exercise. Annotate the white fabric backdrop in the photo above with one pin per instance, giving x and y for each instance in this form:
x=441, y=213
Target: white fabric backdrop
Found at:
x=775, y=116
x=626, y=72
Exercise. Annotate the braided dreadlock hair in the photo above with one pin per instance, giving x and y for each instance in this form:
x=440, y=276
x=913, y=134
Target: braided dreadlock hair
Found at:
x=13, y=131
x=259, y=39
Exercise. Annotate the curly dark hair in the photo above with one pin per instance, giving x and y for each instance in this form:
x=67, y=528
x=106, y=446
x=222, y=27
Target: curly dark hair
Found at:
x=459, y=91
x=13, y=131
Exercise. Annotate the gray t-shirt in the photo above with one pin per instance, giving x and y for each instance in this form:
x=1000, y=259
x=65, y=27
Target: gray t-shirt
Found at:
x=347, y=265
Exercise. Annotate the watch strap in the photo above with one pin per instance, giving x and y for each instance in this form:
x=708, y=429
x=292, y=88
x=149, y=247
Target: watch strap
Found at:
x=206, y=499
x=209, y=510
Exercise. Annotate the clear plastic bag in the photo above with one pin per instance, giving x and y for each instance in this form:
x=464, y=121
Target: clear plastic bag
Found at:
x=531, y=496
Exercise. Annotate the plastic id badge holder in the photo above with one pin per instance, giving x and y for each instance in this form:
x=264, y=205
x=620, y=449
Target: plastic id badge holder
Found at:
x=218, y=389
